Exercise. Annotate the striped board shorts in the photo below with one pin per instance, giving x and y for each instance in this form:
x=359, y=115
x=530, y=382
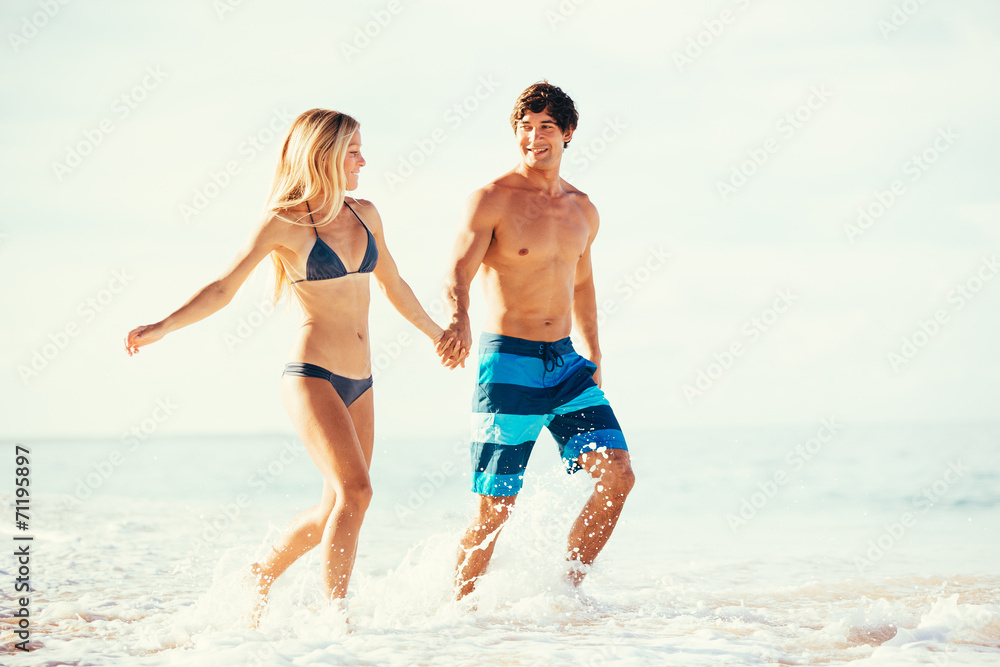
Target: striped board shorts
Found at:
x=524, y=385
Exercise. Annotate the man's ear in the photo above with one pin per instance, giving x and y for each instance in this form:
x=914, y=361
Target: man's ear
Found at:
x=567, y=135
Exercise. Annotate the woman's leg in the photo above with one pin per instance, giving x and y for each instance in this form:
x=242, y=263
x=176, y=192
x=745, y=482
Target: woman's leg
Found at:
x=339, y=441
x=363, y=416
x=362, y=413
x=298, y=536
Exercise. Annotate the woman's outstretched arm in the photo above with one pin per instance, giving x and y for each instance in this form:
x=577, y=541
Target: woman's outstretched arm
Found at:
x=392, y=284
x=217, y=293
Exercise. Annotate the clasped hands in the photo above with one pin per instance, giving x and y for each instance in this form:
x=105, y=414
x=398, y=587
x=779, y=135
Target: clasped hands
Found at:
x=453, y=345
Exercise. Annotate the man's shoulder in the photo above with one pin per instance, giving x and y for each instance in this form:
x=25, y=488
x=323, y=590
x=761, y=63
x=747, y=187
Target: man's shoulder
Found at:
x=509, y=179
x=512, y=184
x=571, y=189
x=581, y=199
x=502, y=186
x=496, y=193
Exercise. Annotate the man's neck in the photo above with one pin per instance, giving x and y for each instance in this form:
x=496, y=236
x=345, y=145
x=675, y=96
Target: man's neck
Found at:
x=546, y=180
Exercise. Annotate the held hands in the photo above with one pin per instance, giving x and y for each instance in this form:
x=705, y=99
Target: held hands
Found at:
x=144, y=335
x=454, y=344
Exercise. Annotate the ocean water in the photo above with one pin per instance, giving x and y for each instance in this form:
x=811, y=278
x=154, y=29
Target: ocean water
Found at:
x=823, y=544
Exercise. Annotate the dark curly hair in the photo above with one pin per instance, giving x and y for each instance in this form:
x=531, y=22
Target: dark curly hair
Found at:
x=543, y=96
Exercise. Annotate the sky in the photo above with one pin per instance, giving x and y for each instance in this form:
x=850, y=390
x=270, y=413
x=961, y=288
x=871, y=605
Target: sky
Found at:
x=799, y=211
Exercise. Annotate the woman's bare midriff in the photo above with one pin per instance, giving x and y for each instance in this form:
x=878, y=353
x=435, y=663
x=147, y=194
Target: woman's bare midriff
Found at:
x=334, y=328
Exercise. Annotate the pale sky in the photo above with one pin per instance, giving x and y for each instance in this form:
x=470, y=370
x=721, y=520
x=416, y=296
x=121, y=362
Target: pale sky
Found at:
x=728, y=146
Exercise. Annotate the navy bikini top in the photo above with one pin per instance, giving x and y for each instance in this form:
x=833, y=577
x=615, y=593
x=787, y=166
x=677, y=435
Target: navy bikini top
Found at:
x=323, y=263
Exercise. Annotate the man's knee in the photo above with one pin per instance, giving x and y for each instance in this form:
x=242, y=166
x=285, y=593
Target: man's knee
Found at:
x=624, y=479
x=618, y=479
x=612, y=468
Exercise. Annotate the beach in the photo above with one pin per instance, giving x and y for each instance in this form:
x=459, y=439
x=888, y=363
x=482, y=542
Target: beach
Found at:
x=880, y=549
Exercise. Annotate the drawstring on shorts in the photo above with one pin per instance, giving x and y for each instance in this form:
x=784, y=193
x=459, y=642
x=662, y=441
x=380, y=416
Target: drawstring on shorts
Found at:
x=553, y=359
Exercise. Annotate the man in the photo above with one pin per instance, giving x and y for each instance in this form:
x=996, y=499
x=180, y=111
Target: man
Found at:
x=531, y=233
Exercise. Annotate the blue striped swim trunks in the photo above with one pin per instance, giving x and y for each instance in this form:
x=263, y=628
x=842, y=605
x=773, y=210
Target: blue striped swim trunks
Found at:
x=526, y=385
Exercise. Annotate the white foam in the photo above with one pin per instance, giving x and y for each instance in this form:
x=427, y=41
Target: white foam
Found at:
x=129, y=580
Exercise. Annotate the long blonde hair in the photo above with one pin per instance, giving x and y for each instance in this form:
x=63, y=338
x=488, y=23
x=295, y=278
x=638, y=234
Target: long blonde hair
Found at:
x=311, y=164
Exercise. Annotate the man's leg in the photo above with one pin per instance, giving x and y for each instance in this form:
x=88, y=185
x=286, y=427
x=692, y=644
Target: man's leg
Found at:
x=612, y=472
x=509, y=410
x=476, y=546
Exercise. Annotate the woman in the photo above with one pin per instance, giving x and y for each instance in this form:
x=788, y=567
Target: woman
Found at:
x=316, y=236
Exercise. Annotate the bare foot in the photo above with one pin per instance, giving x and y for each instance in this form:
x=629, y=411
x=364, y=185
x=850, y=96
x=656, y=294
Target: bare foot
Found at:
x=467, y=605
x=576, y=571
x=339, y=608
x=260, y=585
x=332, y=612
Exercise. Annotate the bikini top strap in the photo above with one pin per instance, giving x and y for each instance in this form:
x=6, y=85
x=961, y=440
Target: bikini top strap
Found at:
x=357, y=216
x=311, y=219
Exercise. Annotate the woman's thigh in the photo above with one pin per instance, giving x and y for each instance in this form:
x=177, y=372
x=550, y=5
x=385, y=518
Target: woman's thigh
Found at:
x=327, y=429
x=362, y=413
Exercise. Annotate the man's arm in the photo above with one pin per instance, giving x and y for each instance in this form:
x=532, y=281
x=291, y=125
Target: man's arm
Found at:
x=585, y=296
x=470, y=249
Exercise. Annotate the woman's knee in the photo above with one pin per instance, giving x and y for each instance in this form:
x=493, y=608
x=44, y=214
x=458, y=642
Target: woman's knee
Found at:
x=355, y=496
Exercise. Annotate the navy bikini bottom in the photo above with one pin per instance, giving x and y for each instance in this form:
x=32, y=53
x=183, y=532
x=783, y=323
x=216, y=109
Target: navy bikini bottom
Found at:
x=349, y=389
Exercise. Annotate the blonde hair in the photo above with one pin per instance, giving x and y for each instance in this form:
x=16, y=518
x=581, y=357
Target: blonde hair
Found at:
x=311, y=165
